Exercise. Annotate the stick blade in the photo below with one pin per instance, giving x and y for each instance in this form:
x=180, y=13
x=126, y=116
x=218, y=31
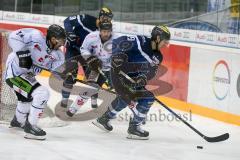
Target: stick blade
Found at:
x=220, y=138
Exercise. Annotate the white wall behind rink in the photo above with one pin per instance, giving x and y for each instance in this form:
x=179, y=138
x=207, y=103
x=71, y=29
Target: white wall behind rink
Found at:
x=214, y=77
x=219, y=39
x=214, y=69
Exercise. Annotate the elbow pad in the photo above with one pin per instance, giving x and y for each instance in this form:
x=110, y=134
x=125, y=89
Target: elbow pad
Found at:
x=25, y=60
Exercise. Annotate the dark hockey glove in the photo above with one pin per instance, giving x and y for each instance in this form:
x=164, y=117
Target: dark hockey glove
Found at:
x=157, y=59
x=71, y=38
x=153, y=67
x=94, y=63
x=25, y=60
x=70, y=80
x=118, y=61
x=152, y=72
x=140, y=80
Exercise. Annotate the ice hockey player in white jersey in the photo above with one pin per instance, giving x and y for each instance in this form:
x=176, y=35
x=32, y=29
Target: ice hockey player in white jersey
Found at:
x=30, y=48
x=97, y=50
x=77, y=28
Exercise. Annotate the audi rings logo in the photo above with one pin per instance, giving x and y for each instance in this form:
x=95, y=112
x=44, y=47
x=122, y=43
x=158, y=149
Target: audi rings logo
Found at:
x=221, y=80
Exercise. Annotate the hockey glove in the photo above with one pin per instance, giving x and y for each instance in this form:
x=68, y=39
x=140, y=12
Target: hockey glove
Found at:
x=118, y=60
x=69, y=81
x=94, y=63
x=157, y=59
x=141, y=81
x=152, y=72
x=71, y=38
x=25, y=60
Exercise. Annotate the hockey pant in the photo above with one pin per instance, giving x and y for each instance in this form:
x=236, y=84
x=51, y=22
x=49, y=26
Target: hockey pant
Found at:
x=82, y=98
x=31, y=96
x=140, y=107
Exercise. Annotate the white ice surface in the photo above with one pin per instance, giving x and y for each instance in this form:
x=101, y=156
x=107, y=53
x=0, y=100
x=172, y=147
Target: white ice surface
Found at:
x=169, y=140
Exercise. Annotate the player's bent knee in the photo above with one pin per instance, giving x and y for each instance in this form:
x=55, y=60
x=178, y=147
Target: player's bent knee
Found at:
x=40, y=96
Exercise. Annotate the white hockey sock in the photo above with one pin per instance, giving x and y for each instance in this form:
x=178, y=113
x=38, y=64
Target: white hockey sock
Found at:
x=35, y=114
x=78, y=103
x=40, y=97
x=22, y=110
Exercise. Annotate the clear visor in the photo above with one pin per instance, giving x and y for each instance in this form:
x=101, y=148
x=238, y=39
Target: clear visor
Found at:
x=107, y=18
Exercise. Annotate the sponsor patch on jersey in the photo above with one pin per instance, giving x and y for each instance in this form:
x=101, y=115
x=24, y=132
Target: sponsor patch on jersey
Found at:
x=40, y=60
x=36, y=46
x=49, y=57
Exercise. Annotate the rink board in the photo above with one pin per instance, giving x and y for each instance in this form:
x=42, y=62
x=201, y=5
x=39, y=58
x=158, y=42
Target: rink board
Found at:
x=205, y=78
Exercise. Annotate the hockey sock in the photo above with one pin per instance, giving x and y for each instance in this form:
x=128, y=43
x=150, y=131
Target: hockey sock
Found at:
x=22, y=111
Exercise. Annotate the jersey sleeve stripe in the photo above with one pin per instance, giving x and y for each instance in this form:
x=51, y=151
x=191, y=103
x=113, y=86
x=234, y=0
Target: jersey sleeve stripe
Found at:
x=80, y=22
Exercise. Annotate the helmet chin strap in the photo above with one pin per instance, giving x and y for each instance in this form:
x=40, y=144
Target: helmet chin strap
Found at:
x=48, y=44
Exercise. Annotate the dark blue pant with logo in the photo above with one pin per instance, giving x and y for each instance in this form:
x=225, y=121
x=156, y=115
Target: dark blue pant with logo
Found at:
x=140, y=110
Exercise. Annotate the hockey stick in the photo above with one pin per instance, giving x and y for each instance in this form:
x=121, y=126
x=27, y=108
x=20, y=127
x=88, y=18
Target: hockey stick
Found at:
x=208, y=139
x=219, y=138
x=78, y=80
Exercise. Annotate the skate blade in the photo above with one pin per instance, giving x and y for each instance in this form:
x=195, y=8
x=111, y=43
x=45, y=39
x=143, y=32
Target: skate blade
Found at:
x=16, y=128
x=135, y=137
x=99, y=126
x=30, y=136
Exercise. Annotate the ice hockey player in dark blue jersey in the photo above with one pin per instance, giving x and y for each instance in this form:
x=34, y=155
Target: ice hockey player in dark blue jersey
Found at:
x=78, y=27
x=135, y=60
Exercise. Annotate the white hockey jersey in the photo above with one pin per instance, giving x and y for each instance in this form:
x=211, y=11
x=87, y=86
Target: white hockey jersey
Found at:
x=92, y=45
x=34, y=41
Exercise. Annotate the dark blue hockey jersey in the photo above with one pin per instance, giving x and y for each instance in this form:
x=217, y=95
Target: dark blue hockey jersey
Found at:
x=141, y=58
x=81, y=25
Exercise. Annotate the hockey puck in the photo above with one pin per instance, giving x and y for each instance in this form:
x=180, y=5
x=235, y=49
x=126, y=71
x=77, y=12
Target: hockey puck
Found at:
x=199, y=147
